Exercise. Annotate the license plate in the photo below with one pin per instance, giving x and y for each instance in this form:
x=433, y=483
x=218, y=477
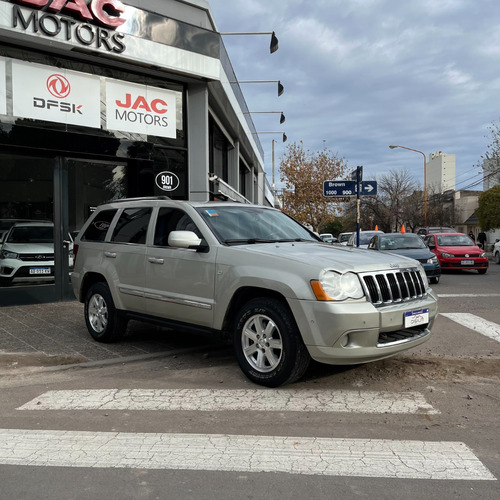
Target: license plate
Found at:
x=39, y=270
x=415, y=318
x=467, y=263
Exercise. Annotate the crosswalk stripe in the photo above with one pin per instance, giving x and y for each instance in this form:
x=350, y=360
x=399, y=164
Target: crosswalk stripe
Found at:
x=480, y=325
x=233, y=400
x=218, y=452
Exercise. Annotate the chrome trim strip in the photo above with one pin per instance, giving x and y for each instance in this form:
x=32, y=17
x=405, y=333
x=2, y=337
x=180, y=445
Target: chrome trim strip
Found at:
x=175, y=300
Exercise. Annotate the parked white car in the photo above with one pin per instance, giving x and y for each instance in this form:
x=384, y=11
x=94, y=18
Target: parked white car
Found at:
x=27, y=253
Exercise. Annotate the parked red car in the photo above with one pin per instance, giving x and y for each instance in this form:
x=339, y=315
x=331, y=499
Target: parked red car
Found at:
x=457, y=251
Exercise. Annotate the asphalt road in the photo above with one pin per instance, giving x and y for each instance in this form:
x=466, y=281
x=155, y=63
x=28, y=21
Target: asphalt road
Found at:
x=188, y=424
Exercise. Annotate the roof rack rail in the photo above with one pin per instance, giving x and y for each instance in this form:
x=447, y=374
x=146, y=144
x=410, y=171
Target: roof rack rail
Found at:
x=139, y=198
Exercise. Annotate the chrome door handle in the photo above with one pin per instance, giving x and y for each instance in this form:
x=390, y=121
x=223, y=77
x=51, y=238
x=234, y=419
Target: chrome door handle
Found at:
x=112, y=255
x=155, y=260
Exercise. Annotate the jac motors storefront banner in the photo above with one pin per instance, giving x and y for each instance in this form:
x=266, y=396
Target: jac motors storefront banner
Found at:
x=140, y=109
x=55, y=95
x=52, y=94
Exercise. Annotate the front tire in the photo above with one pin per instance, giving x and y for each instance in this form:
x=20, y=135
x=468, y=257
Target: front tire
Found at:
x=481, y=271
x=268, y=344
x=101, y=317
x=434, y=280
x=497, y=258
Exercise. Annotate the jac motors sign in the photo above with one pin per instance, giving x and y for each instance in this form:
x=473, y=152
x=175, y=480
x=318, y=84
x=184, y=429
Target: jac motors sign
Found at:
x=89, y=23
x=140, y=109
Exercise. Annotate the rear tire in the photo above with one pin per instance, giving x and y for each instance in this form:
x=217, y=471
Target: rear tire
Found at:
x=101, y=317
x=268, y=344
x=481, y=271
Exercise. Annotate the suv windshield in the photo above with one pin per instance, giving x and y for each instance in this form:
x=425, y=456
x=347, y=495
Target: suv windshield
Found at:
x=251, y=224
x=31, y=234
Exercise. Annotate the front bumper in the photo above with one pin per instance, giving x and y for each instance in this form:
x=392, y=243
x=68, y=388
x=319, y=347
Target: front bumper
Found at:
x=354, y=332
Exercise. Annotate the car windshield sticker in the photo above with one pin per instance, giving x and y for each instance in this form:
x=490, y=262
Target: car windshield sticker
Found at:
x=212, y=213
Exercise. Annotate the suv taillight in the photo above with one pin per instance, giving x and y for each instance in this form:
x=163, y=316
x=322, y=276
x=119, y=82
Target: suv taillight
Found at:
x=75, y=251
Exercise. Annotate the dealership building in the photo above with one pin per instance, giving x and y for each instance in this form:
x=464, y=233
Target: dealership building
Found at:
x=105, y=99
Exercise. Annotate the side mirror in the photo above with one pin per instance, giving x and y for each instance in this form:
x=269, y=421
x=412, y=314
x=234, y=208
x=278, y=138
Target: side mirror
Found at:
x=186, y=239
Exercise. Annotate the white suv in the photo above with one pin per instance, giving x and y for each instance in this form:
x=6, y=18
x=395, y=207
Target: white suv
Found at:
x=27, y=253
x=271, y=286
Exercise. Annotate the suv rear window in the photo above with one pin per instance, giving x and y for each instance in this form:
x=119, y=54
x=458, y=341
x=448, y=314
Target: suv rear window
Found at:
x=99, y=226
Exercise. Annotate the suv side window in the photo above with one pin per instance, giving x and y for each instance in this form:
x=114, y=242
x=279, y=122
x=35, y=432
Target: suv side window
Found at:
x=99, y=226
x=132, y=226
x=172, y=219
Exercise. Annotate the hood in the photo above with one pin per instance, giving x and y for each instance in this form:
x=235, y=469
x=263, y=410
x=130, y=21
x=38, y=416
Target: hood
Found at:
x=470, y=249
x=324, y=255
x=46, y=248
x=414, y=253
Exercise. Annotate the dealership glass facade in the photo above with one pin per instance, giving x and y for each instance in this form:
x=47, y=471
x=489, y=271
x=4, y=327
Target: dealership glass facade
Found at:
x=78, y=129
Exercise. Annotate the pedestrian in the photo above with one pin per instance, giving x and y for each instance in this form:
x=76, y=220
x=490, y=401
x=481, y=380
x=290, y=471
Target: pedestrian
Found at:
x=481, y=238
x=472, y=237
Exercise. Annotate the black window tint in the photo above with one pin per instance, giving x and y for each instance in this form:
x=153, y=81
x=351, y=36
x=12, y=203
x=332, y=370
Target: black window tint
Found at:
x=99, y=226
x=132, y=226
x=172, y=219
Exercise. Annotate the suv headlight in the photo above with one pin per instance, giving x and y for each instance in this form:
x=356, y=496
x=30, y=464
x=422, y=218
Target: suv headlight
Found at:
x=447, y=255
x=433, y=260
x=5, y=254
x=421, y=270
x=336, y=286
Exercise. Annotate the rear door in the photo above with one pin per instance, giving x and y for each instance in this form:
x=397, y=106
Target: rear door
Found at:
x=124, y=257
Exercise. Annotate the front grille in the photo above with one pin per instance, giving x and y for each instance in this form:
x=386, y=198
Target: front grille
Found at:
x=389, y=287
x=36, y=257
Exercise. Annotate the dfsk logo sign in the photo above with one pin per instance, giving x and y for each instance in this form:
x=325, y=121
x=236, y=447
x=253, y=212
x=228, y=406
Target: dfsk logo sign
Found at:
x=67, y=97
x=140, y=109
x=58, y=86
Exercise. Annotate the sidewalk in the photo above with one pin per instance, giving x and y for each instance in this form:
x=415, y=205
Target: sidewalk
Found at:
x=55, y=334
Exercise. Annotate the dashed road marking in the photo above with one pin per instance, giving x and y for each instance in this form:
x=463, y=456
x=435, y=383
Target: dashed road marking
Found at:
x=233, y=400
x=218, y=452
x=480, y=325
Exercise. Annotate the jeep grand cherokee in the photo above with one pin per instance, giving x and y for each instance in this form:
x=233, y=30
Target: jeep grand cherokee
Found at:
x=280, y=294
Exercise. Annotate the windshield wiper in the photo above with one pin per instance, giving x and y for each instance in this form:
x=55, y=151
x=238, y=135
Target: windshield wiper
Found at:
x=249, y=241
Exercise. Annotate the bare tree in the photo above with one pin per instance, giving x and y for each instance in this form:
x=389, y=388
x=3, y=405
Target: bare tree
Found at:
x=399, y=201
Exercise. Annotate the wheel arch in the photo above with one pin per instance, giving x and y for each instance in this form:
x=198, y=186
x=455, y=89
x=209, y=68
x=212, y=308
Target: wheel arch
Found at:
x=88, y=280
x=244, y=295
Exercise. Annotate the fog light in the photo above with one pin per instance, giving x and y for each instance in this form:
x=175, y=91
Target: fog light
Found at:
x=344, y=341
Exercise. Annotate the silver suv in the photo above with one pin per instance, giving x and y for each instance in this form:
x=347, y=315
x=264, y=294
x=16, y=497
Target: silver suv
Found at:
x=280, y=294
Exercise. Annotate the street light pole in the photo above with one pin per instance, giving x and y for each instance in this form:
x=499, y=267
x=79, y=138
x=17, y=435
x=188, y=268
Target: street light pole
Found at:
x=392, y=146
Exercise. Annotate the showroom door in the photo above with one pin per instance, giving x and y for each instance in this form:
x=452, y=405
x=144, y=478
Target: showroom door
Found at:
x=43, y=204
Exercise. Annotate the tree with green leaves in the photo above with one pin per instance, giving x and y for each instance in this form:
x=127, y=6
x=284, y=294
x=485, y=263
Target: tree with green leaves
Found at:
x=488, y=212
x=303, y=173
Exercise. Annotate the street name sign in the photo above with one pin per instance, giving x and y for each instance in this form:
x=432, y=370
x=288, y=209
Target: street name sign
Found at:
x=344, y=189
x=339, y=188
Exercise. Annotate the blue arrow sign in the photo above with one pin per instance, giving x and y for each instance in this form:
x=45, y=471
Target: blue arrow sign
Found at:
x=340, y=189
x=368, y=188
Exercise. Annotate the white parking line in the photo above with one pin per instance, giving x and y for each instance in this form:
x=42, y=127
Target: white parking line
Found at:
x=480, y=325
x=468, y=295
x=217, y=452
x=233, y=400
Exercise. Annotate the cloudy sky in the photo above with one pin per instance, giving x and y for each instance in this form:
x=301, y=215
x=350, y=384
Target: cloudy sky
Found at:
x=360, y=75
